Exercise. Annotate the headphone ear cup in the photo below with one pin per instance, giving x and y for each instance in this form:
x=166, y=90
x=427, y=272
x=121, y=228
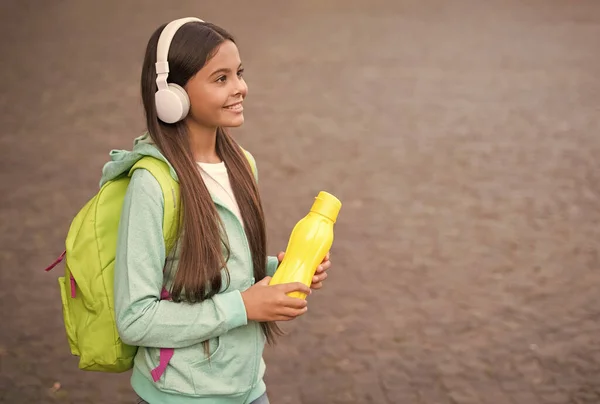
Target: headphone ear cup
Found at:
x=183, y=97
x=172, y=104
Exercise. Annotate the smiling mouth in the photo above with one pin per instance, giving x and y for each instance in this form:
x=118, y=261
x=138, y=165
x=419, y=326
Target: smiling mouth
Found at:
x=237, y=107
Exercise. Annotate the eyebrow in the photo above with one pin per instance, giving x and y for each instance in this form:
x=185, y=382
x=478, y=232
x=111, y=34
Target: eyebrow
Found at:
x=223, y=70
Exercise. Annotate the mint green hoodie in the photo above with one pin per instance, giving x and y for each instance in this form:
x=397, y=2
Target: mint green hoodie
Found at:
x=234, y=371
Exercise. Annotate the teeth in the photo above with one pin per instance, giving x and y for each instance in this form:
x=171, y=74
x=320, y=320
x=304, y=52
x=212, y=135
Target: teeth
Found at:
x=236, y=106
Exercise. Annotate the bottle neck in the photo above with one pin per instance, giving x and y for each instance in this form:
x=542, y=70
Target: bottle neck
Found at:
x=315, y=213
x=326, y=205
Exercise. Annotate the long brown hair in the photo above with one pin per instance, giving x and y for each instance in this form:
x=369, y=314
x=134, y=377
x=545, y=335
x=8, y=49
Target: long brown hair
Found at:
x=201, y=233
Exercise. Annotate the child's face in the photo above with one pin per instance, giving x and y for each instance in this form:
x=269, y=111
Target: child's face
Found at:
x=216, y=92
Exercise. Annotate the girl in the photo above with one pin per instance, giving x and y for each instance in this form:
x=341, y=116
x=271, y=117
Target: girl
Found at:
x=196, y=313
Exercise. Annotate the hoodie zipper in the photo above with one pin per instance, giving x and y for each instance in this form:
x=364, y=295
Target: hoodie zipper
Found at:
x=248, y=254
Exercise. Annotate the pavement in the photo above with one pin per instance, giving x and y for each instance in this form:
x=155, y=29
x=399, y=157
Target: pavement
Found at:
x=461, y=137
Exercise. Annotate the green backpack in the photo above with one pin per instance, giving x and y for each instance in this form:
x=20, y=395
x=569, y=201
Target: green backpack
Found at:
x=86, y=288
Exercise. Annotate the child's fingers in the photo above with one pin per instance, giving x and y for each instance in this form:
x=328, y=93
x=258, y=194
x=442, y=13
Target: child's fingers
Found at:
x=289, y=313
x=323, y=267
x=317, y=285
x=293, y=287
x=264, y=281
x=294, y=302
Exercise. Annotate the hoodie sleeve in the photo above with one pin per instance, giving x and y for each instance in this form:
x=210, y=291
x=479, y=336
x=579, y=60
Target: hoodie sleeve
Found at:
x=272, y=264
x=142, y=318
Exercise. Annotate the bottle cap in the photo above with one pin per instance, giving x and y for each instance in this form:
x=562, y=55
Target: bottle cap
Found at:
x=327, y=205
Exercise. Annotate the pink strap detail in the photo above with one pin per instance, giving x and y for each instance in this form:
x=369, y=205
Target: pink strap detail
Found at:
x=165, y=353
x=58, y=261
x=165, y=356
x=73, y=285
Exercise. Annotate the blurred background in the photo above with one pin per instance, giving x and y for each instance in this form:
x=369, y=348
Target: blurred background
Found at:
x=462, y=138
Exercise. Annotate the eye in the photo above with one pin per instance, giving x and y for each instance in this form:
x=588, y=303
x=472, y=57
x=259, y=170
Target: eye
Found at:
x=221, y=79
x=240, y=72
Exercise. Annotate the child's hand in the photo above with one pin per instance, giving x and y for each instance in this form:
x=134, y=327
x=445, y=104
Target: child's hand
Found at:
x=320, y=274
x=271, y=303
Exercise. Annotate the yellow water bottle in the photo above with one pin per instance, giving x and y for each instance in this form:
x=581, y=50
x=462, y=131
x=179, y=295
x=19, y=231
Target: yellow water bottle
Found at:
x=309, y=243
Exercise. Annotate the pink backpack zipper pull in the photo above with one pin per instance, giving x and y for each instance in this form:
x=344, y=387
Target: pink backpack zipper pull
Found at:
x=73, y=286
x=58, y=261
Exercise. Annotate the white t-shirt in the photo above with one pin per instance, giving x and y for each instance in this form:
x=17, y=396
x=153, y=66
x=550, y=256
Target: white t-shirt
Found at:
x=217, y=181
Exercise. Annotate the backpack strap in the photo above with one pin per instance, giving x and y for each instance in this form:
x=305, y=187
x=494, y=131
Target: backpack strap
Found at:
x=252, y=162
x=170, y=188
x=165, y=357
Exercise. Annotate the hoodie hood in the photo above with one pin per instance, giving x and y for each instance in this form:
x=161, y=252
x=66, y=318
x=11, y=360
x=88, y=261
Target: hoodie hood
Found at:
x=121, y=161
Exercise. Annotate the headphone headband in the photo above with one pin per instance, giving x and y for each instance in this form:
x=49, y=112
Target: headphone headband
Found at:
x=162, y=49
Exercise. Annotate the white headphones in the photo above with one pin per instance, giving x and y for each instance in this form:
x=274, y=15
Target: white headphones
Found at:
x=172, y=102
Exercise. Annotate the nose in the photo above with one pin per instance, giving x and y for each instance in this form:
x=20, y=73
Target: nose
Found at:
x=241, y=88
